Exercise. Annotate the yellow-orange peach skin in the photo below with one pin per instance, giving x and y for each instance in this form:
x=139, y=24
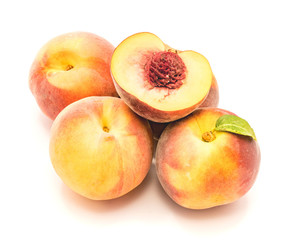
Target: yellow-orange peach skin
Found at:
x=198, y=174
x=70, y=67
x=100, y=148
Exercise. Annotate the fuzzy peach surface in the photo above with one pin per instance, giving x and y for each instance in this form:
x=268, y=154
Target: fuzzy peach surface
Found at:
x=212, y=98
x=100, y=148
x=198, y=174
x=70, y=67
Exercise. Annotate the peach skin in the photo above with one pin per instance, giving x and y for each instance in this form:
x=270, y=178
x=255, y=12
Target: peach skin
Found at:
x=100, y=148
x=212, y=99
x=70, y=67
x=200, y=168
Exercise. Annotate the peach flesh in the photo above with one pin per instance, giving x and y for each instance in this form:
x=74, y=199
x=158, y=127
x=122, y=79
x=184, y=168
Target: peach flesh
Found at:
x=100, y=148
x=197, y=174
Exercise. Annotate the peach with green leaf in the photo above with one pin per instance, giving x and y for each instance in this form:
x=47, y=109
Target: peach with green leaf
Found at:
x=207, y=159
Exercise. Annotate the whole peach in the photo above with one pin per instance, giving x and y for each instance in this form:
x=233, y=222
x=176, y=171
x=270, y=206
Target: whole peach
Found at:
x=100, y=148
x=70, y=67
x=200, y=168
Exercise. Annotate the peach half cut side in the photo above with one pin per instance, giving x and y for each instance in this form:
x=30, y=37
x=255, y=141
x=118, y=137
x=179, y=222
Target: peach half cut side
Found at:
x=100, y=148
x=158, y=82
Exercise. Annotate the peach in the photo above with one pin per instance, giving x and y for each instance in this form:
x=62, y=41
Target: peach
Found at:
x=212, y=99
x=199, y=167
x=70, y=67
x=158, y=82
x=100, y=148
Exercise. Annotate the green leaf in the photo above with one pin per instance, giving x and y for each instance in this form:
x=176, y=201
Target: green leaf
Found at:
x=234, y=124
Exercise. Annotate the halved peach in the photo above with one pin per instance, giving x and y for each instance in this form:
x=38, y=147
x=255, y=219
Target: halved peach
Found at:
x=158, y=82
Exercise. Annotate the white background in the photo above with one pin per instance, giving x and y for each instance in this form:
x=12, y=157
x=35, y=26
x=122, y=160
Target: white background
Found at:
x=247, y=45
